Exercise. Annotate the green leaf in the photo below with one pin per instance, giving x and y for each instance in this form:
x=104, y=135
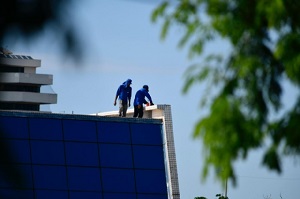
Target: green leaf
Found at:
x=165, y=29
x=247, y=84
x=159, y=11
x=272, y=160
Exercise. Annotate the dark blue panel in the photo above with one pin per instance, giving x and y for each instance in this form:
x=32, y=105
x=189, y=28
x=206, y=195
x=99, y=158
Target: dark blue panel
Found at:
x=152, y=196
x=151, y=181
x=114, y=132
x=16, y=194
x=85, y=179
x=14, y=127
x=47, y=152
x=85, y=195
x=146, y=134
x=49, y=129
x=50, y=177
x=115, y=155
x=151, y=157
x=18, y=151
x=119, y=196
x=118, y=180
x=51, y=194
x=83, y=154
x=75, y=130
x=26, y=175
x=22, y=176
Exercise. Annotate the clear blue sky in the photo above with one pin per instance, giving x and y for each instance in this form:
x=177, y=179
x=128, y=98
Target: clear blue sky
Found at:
x=120, y=42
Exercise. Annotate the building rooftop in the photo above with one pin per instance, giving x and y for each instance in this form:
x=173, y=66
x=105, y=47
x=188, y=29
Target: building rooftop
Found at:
x=20, y=85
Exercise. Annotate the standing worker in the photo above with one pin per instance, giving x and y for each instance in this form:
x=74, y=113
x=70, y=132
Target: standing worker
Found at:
x=139, y=100
x=124, y=94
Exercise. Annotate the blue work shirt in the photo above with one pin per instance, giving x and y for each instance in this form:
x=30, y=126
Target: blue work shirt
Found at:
x=124, y=92
x=140, y=95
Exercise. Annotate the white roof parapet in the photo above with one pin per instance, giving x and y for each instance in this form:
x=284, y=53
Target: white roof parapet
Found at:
x=147, y=111
x=26, y=78
x=161, y=111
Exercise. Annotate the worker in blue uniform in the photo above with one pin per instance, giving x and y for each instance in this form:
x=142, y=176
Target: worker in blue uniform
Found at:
x=124, y=95
x=139, y=100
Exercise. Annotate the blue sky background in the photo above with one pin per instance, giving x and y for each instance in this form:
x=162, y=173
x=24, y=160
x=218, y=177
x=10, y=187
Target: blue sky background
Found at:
x=120, y=42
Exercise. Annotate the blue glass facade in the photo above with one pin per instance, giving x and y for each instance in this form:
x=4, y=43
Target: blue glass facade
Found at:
x=71, y=157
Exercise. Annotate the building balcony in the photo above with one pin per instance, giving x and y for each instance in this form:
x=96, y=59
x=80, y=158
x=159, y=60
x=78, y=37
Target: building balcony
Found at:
x=26, y=78
x=19, y=60
x=28, y=97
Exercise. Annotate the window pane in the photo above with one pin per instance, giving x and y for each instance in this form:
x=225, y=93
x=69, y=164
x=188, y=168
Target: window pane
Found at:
x=16, y=194
x=119, y=196
x=51, y=194
x=50, y=177
x=83, y=154
x=85, y=179
x=118, y=180
x=18, y=151
x=151, y=181
x=75, y=130
x=14, y=127
x=151, y=157
x=22, y=179
x=47, y=152
x=115, y=155
x=114, y=132
x=85, y=195
x=49, y=129
x=152, y=196
x=146, y=134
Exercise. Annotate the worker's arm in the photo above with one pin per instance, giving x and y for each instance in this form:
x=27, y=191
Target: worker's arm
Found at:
x=115, y=102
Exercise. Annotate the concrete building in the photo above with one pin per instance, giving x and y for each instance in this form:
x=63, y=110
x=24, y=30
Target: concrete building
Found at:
x=20, y=85
x=68, y=156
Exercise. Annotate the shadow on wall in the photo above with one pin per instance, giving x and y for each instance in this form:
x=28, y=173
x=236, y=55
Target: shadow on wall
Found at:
x=11, y=176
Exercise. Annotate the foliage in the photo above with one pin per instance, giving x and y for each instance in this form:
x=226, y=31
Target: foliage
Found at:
x=265, y=45
x=219, y=196
x=26, y=19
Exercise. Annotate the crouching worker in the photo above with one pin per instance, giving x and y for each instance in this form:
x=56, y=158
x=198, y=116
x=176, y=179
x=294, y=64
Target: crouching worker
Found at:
x=139, y=100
